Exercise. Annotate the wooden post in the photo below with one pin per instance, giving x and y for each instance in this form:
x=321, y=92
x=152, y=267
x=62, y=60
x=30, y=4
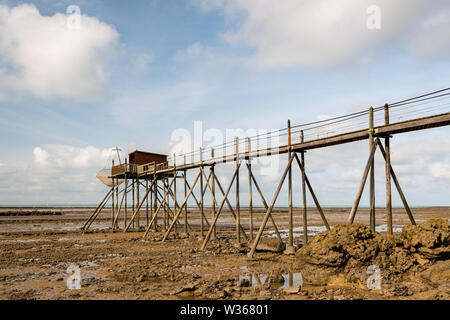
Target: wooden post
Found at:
x=397, y=185
x=165, y=219
x=226, y=200
x=179, y=210
x=361, y=185
x=219, y=210
x=185, y=206
x=269, y=210
x=117, y=203
x=126, y=195
x=238, y=210
x=112, y=200
x=305, y=217
x=155, y=199
x=138, y=207
x=250, y=195
x=372, y=173
x=213, y=194
x=161, y=204
x=313, y=195
x=175, y=186
x=388, y=174
x=137, y=201
x=151, y=201
x=264, y=203
x=201, y=195
x=97, y=211
x=291, y=214
x=133, y=187
x=146, y=205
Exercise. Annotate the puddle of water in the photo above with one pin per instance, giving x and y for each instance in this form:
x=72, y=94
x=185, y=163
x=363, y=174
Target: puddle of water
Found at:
x=292, y=279
x=25, y=240
x=383, y=228
x=298, y=232
x=256, y=280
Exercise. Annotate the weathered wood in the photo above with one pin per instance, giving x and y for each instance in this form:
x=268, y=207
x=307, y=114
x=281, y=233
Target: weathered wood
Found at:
x=116, y=217
x=250, y=194
x=388, y=175
x=219, y=210
x=179, y=210
x=313, y=195
x=135, y=213
x=138, y=216
x=201, y=196
x=290, y=209
x=265, y=204
x=229, y=206
x=305, y=213
x=112, y=200
x=238, y=209
x=198, y=202
x=269, y=210
x=213, y=194
x=371, y=173
x=405, y=126
x=397, y=185
x=361, y=185
x=99, y=207
x=156, y=214
x=185, y=206
x=126, y=198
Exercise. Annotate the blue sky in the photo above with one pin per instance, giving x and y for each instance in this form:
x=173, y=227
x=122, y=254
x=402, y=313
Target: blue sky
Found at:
x=136, y=71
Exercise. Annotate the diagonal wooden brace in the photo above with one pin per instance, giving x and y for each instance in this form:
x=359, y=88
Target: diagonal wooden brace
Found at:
x=181, y=208
x=319, y=208
x=351, y=217
x=270, y=208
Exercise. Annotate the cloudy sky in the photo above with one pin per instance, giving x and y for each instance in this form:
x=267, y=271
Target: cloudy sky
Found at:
x=130, y=73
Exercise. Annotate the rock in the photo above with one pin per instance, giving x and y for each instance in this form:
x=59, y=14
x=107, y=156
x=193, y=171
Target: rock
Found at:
x=430, y=239
x=188, y=287
x=420, y=260
x=264, y=293
x=243, y=283
x=292, y=290
x=276, y=277
x=290, y=250
x=271, y=245
x=333, y=248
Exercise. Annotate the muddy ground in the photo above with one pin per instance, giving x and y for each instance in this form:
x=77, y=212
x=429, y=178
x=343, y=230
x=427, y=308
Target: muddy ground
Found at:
x=36, y=253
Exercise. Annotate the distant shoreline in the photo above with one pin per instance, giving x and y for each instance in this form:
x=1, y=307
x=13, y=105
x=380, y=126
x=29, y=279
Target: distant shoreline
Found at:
x=281, y=207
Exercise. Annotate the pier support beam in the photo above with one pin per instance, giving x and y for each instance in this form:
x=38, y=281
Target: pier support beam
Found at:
x=388, y=174
x=305, y=217
x=250, y=194
x=372, y=172
x=269, y=210
x=238, y=209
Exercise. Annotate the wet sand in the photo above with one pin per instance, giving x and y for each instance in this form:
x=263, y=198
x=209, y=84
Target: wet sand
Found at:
x=36, y=252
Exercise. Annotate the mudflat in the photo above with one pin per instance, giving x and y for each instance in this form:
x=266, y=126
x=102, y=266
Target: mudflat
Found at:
x=40, y=252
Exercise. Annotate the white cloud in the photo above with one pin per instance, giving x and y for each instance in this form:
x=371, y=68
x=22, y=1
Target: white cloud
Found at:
x=191, y=52
x=141, y=63
x=69, y=157
x=40, y=156
x=440, y=170
x=323, y=33
x=42, y=56
x=55, y=174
